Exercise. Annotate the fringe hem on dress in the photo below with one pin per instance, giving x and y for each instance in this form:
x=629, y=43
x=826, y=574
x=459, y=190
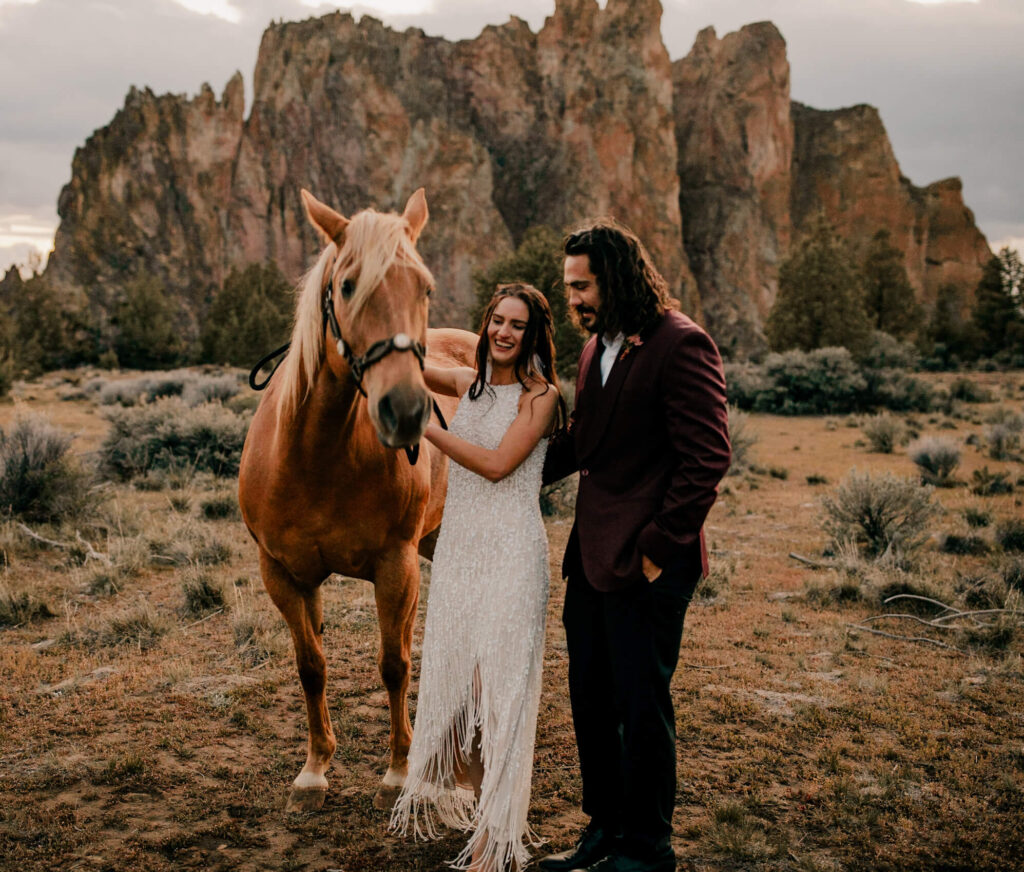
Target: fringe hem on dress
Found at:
x=430, y=796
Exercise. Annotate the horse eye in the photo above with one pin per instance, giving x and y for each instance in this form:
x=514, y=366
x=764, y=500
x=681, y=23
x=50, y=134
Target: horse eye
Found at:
x=430, y=291
x=348, y=288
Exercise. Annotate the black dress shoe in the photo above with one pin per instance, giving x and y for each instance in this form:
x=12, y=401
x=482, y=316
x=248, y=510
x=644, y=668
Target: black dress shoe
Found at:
x=595, y=844
x=622, y=863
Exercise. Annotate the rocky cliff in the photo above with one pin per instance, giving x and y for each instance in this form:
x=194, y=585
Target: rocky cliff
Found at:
x=706, y=158
x=757, y=168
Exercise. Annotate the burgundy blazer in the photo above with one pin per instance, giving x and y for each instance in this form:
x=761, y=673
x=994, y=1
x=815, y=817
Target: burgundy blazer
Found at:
x=651, y=446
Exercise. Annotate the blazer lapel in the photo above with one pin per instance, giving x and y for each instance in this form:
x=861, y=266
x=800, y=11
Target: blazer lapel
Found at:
x=601, y=401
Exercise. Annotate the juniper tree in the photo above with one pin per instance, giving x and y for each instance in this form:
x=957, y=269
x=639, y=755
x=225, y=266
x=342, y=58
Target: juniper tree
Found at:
x=821, y=297
x=538, y=262
x=250, y=316
x=888, y=294
x=147, y=332
x=998, y=313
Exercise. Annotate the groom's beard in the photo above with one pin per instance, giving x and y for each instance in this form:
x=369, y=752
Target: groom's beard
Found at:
x=589, y=319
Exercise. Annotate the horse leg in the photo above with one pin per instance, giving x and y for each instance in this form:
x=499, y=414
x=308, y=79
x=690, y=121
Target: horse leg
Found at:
x=428, y=543
x=397, y=592
x=303, y=612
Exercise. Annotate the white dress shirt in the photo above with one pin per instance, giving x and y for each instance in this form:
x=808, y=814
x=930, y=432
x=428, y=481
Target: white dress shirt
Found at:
x=611, y=351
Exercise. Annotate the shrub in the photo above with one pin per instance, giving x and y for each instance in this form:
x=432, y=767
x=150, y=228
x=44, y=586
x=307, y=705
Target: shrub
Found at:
x=192, y=388
x=988, y=484
x=882, y=515
x=210, y=389
x=139, y=626
x=743, y=383
x=955, y=544
x=219, y=506
x=977, y=517
x=1012, y=573
x=817, y=478
x=937, y=458
x=894, y=389
x=558, y=499
x=968, y=391
x=742, y=439
x=169, y=435
x=823, y=381
x=256, y=634
x=717, y=581
x=884, y=432
x=202, y=593
x=1003, y=435
x=20, y=606
x=39, y=480
x=885, y=351
x=1010, y=534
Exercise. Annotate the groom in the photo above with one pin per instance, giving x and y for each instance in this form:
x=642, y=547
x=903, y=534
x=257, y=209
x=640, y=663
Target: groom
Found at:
x=650, y=438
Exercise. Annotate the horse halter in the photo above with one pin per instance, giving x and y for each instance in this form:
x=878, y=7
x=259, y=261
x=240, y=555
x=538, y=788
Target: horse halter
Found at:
x=376, y=352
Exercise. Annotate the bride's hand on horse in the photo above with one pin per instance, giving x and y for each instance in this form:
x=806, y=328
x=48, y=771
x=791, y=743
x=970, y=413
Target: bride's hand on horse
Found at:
x=452, y=381
x=537, y=410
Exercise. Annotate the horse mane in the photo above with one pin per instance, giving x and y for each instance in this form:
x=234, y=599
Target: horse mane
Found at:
x=374, y=242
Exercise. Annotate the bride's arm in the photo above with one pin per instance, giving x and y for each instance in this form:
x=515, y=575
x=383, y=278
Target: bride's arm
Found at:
x=453, y=381
x=536, y=415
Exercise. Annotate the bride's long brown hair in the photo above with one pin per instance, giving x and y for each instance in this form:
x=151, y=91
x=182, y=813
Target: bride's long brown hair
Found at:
x=536, y=358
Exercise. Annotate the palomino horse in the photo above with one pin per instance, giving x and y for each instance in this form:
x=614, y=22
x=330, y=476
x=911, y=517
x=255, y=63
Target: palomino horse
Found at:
x=322, y=488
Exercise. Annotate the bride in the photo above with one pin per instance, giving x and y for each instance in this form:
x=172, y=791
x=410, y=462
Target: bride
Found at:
x=471, y=759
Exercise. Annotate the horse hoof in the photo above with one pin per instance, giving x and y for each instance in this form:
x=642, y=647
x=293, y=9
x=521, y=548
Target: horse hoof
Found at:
x=303, y=800
x=386, y=797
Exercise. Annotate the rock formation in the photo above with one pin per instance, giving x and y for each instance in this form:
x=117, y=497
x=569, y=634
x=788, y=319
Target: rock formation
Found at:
x=706, y=158
x=756, y=169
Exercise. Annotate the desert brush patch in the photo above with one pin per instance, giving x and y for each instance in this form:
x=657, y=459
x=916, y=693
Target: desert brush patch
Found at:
x=847, y=697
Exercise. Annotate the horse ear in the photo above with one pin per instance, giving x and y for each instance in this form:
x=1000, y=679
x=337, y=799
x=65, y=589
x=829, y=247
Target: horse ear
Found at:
x=416, y=213
x=330, y=225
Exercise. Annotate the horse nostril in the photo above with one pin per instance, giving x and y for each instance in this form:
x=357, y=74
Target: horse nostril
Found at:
x=386, y=413
x=403, y=413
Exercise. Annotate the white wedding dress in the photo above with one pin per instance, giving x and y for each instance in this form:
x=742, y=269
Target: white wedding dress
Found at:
x=483, y=647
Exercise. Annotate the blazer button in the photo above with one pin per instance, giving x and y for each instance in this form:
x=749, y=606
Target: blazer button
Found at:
x=584, y=472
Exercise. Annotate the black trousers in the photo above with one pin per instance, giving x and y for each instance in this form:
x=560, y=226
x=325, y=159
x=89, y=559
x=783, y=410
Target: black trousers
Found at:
x=623, y=650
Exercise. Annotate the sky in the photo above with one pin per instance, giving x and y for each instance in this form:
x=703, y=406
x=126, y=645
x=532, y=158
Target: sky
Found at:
x=946, y=75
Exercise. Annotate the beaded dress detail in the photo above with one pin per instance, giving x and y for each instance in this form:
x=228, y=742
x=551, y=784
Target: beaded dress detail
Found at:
x=483, y=647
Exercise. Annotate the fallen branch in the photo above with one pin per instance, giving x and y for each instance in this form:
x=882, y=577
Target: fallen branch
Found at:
x=1014, y=612
x=905, y=638
x=924, y=599
x=812, y=563
x=911, y=618
x=204, y=618
x=66, y=546
x=698, y=666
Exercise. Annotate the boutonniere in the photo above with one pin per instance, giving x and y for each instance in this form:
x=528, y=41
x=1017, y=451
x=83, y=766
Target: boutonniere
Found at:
x=629, y=343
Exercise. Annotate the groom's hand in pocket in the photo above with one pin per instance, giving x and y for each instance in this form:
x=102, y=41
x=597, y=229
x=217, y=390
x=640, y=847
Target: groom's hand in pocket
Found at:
x=650, y=569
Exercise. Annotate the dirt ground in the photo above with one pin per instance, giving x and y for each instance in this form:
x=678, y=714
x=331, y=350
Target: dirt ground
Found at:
x=804, y=743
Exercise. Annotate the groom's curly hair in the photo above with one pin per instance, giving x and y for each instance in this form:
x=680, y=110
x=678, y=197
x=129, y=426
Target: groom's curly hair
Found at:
x=634, y=294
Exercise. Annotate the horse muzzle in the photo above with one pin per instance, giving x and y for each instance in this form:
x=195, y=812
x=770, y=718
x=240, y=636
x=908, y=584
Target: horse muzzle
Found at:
x=402, y=415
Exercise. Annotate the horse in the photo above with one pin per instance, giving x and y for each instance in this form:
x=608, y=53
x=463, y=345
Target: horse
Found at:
x=323, y=487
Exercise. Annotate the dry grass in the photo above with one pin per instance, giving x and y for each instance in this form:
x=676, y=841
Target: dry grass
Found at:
x=138, y=734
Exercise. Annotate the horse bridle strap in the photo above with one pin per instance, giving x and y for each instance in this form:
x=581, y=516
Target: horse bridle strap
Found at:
x=375, y=353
